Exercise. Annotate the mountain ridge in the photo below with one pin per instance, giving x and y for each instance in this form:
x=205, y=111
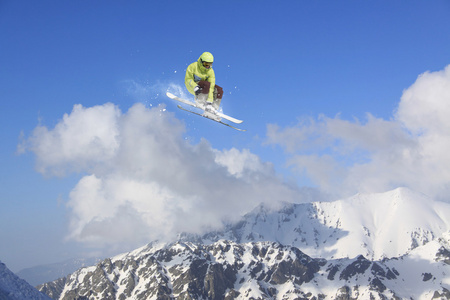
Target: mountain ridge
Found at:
x=256, y=270
x=319, y=250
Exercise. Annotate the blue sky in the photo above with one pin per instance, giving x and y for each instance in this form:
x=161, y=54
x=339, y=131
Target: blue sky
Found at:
x=329, y=91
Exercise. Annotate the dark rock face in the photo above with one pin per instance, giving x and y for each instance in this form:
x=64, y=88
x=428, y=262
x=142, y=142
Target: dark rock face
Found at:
x=359, y=266
x=443, y=255
x=54, y=289
x=445, y=294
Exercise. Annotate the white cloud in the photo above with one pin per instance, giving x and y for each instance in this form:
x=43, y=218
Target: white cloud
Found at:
x=345, y=157
x=424, y=107
x=143, y=180
x=81, y=140
x=239, y=163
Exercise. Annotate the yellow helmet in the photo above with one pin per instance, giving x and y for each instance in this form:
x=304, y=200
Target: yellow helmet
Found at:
x=207, y=57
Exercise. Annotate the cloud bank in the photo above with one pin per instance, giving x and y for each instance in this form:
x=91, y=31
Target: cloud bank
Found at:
x=143, y=181
x=346, y=157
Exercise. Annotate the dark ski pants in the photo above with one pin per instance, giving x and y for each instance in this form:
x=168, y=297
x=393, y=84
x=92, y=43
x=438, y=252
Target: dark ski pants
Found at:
x=205, y=85
x=218, y=93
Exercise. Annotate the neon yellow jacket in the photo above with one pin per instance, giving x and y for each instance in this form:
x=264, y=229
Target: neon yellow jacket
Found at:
x=196, y=72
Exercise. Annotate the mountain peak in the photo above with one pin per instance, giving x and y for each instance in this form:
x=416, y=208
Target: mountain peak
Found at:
x=14, y=288
x=378, y=225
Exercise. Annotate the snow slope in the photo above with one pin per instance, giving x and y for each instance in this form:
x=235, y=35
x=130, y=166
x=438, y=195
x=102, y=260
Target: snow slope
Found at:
x=374, y=225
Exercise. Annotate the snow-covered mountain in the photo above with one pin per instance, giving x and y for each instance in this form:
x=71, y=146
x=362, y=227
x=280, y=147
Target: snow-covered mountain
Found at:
x=257, y=270
x=374, y=225
x=393, y=245
x=14, y=288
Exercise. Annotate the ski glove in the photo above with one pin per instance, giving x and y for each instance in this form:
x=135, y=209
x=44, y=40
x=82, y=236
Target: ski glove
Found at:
x=197, y=90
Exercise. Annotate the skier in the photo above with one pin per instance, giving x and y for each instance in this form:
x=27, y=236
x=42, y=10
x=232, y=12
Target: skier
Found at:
x=200, y=81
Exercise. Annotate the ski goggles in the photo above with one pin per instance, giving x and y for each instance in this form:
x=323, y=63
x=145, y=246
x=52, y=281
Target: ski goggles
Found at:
x=207, y=64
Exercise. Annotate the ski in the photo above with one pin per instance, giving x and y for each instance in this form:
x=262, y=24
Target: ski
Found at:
x=202, y=107
x=205, y=115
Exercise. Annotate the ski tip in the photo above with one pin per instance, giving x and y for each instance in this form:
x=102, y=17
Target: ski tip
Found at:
x=170, y=95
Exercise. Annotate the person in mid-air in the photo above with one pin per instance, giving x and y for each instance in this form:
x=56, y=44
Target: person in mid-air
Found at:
x=200, y=81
